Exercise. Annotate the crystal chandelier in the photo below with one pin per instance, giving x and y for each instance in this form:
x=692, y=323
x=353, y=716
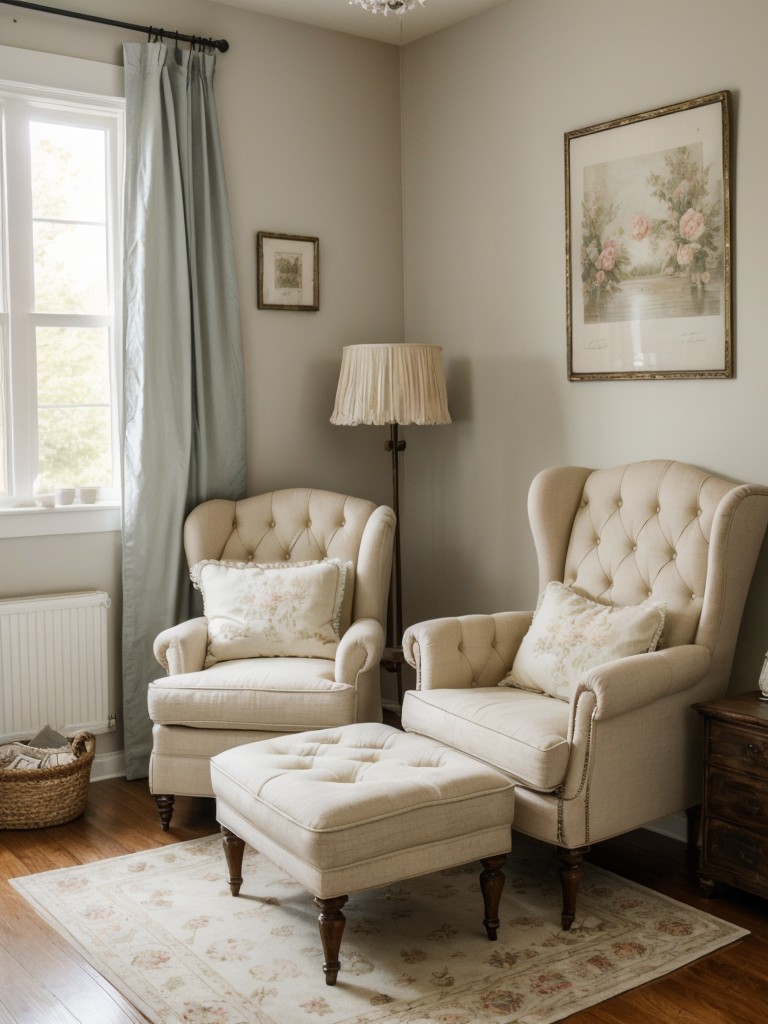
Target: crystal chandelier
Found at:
x=386, y=7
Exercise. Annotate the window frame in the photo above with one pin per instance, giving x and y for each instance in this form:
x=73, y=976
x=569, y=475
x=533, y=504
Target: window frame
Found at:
x=56, y=83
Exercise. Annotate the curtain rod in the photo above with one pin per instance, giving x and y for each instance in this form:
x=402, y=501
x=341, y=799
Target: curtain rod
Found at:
x=217, y=44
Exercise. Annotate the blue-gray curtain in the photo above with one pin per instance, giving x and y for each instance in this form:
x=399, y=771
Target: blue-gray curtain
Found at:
x=184, y=405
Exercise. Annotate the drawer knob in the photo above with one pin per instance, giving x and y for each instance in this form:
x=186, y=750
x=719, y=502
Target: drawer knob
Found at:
x=753, y=752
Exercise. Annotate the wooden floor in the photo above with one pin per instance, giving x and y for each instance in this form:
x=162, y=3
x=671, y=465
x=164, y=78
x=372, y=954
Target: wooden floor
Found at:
x=44, y=981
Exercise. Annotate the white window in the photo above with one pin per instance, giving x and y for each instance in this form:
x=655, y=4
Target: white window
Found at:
x=60, y=314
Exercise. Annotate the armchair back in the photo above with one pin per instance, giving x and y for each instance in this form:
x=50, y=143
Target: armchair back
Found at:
x=297, y=524
x=654, y=530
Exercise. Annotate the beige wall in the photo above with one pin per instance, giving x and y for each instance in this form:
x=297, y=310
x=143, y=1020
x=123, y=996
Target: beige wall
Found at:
x=485, y=107
x=310, y=123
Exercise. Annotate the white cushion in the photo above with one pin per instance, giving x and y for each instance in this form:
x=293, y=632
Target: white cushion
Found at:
x=571, y=634
x=272, y=694
x=273, y=610
x=523, y=734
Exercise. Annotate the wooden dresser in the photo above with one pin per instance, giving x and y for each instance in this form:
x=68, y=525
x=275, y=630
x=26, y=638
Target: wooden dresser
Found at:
x=735, y=804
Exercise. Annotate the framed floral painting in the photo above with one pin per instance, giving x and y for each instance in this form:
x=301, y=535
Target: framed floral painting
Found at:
x=648, y=251
x=287, y=272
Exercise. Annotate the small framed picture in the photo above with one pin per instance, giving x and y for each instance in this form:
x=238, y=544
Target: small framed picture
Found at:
x=288, y=272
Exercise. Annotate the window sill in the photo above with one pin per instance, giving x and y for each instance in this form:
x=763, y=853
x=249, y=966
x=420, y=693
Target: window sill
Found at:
x=103, y=517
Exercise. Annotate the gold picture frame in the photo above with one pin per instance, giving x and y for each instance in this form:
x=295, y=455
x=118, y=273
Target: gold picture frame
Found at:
x=287, y=271
x=648, y=248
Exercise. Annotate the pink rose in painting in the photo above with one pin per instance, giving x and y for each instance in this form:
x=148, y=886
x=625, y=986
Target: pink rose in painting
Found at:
x=685, y=255
x=692, y=225
x=607, y=258
x=641, y=227
x=706, y=277
x=600, y=276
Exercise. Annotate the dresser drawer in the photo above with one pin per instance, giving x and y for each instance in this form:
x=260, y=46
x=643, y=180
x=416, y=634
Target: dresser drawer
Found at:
x=736, y=855
x=738, y=798
x=743, y=749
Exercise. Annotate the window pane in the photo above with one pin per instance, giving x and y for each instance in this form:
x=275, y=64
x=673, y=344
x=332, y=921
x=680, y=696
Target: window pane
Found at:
x=3, y=418
x=74, y=448
x=70, y=268
x=68, y=172
x=74, y=416
x=72, y=365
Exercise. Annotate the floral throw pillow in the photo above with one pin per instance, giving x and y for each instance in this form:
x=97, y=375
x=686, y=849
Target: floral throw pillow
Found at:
x=276, y=610
x=570, y=634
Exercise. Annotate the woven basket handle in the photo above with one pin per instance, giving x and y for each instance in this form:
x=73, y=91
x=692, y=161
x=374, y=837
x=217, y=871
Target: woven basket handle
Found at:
x=83, y=743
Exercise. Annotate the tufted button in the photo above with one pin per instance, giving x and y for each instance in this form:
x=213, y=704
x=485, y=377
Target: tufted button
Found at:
x=250, y=556
x=658, y=509
x=461, y=647
x=287, y=556
x=494, y=642
x=698, y=512
x=272, y=525
x=343, y=522
x=650, y=593
x=634, y=547
x=619, y=503
x=693, y=597
x=674, y=555
x=309, y=523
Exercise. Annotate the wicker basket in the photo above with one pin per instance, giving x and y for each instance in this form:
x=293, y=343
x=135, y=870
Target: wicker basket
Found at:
x=40, y=797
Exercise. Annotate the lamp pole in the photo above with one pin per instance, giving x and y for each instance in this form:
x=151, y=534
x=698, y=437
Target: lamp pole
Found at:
x=393, y=653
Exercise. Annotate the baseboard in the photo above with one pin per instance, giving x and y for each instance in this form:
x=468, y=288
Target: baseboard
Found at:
x=108, y=766
x=675, y=826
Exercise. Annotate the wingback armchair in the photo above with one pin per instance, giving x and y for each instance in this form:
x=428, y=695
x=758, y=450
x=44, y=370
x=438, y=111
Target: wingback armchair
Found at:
x=295, y=585
x=615, y=746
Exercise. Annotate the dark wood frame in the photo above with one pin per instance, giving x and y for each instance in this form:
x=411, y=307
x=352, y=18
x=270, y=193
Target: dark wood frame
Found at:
x=304, y=247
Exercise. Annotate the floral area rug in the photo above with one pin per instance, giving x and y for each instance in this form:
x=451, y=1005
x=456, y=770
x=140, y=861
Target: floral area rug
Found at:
x=163, y=928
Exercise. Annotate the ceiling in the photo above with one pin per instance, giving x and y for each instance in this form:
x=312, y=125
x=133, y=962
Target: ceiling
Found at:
x=341, y=17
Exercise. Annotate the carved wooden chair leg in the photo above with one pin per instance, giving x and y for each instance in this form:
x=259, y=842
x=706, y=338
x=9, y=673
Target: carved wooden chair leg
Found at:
x=491, y=885
x=571, y=873
x=164, y=803
x=234, y=848
x=331, y=921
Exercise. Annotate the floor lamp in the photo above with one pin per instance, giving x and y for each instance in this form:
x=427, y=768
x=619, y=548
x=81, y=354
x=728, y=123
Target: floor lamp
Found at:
x=392, y=385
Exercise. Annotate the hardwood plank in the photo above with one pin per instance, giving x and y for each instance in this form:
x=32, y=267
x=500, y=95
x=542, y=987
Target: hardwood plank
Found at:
x=43, y=980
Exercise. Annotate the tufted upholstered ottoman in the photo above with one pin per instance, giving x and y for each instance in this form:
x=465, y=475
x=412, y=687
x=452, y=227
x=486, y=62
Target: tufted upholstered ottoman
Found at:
x=361, y=806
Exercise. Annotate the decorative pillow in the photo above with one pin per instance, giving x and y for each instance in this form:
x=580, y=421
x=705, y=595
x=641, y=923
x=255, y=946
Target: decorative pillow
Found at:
x=570, y=634
x=278, y=610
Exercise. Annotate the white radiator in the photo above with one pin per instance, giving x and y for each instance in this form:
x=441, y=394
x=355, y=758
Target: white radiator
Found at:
x=53, y=664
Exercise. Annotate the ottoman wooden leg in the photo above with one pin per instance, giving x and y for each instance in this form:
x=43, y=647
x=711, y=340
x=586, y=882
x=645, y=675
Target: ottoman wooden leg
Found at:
x=234, y=847
x=491, y=885
x=331, y=921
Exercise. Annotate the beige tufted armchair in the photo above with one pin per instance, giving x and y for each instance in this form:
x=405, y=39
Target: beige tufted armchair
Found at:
x=199, y=711
x=623, y=749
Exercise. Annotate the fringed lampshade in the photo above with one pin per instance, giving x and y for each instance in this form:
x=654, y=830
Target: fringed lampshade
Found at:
x=392, y=385
x=384, y=384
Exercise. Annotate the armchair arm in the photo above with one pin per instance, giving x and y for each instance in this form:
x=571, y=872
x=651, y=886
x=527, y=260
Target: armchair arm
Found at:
x=631, y=683
x=464, y=651
x=182, y=648
x=359, y=649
